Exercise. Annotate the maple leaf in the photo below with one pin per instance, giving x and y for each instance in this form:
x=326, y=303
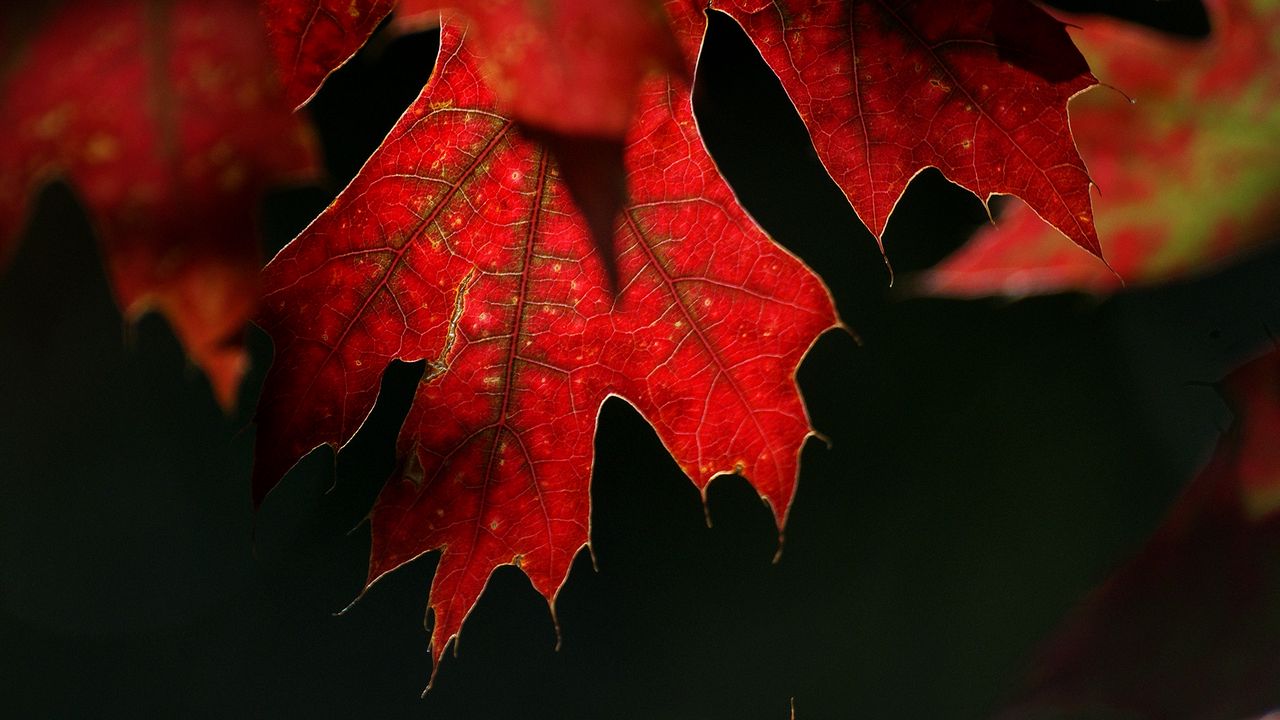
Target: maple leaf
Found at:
x=977, y=89
x=1190, y=171
x=167, y=121
x=456, y=244
x=1188, y=627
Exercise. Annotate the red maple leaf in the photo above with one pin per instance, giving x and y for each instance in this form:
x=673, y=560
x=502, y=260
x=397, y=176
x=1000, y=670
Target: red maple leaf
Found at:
x=1187, y=628
x=167, y=121
x=1189, y=171
x=977, y=89
x=456, y=244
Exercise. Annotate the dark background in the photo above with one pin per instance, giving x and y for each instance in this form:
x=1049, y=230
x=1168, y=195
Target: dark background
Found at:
x=990, y=462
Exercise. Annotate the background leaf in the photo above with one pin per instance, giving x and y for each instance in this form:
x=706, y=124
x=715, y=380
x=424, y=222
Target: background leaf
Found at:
x=1189, y=173
x=168, y=122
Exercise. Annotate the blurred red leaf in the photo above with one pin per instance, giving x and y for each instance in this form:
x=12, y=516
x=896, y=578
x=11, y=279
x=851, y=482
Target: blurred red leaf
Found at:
x=1190, y=173
x=1190, y=628
x=169, y=124
x=456, y=244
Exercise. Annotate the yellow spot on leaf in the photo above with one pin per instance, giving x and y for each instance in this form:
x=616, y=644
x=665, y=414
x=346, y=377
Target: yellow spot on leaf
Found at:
x=53, y=123
x=232, y=178
x=101, y=148
x=220, y=152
